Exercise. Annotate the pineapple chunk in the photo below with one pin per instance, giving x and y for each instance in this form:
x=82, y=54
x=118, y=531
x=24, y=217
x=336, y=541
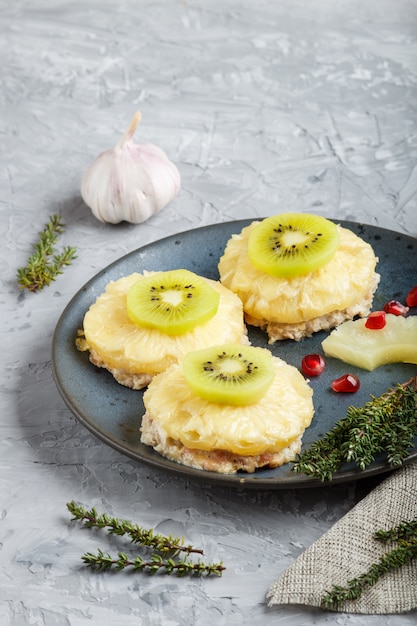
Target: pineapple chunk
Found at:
x=355, y=344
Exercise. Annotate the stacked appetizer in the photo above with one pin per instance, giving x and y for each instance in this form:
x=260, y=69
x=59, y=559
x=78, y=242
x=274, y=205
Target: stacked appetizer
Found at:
x=228, y=408
x=297, y=273
x=143, y=323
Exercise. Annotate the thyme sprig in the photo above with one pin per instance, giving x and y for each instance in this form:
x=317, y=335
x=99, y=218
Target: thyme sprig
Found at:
x=167, y=549
x=180, y=567
x=115, y=526
x=385, y=424
x=405, y=534
x=45, y=263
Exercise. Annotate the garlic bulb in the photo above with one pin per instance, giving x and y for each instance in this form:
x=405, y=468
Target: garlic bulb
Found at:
x=130, y=182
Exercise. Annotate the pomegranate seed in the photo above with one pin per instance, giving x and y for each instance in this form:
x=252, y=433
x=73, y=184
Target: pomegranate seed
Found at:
x=411, y=298
x=313, y=364
x=396, y=308
x=376, y=320
x=348, y=383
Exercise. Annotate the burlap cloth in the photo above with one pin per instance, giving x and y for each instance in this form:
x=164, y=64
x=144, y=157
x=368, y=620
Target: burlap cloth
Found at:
x=349, y=548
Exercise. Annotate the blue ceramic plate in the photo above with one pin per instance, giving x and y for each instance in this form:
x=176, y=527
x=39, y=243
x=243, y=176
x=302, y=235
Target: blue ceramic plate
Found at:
x=113, y=412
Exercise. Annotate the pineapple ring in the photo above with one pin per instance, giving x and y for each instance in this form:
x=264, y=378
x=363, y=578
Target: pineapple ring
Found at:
x=123, y=345
x=271, y=424
x=343, y=282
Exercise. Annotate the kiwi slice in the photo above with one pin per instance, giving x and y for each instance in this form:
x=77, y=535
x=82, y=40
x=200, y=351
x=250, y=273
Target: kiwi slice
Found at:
x=292, y=244
x=229, y=373
x=174, y=302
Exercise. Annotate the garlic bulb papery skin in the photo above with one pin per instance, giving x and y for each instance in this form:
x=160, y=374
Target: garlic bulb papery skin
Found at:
x=130, y=182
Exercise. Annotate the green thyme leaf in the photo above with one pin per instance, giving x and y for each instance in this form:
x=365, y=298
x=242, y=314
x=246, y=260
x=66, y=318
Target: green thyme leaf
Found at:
x=165, y=557
x=45, y=264
x=386, y=424
x=405, y=534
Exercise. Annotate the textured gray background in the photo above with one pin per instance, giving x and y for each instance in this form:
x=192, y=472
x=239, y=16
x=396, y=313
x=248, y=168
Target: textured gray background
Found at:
x=264, y=106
